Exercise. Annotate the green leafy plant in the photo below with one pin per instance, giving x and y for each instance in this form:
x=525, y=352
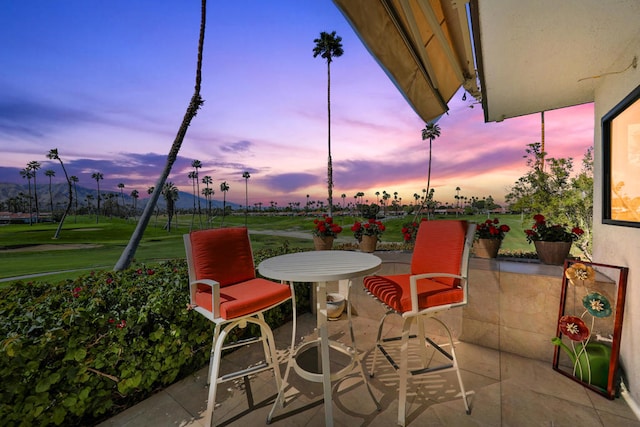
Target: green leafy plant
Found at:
x=541, y=231
x=78, y=351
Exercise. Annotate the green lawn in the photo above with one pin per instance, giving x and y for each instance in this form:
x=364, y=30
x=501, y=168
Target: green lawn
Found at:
x=109, y=237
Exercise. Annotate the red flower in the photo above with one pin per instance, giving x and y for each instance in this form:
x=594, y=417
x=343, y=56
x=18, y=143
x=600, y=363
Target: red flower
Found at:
x=574, y=328
x=111, y=320
x=504, y=228
x=150, y=272
x=109, y=280
x=122, y=324
x=76, y=292
x=577, y=231
x=538, y=218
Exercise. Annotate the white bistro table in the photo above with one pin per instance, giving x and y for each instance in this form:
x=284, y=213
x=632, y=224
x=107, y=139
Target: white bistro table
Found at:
x=321, y=267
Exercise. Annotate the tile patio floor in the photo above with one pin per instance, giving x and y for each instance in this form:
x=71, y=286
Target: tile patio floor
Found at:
x=506, y=390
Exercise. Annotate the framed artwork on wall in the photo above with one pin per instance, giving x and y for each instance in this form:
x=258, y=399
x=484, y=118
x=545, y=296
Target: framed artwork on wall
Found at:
x=589, y=325
x=621, y=162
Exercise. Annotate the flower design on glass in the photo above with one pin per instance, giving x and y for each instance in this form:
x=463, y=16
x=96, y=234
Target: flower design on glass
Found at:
x=574, y=328
x=597, y=305
x=579, y=271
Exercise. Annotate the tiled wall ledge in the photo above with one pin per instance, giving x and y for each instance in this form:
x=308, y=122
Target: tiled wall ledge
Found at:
x=513, y=306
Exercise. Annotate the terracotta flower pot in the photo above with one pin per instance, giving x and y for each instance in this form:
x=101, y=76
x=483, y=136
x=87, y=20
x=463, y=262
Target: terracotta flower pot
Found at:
x=487, y=248
x=323, y=243
x=368, y=243
x=552, y=253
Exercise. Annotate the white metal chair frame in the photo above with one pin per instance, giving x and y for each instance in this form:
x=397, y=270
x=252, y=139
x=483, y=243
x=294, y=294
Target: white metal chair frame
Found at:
x=419, y=316
x=224, y=326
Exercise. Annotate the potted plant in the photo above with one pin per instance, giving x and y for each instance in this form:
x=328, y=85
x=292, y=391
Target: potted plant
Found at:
x=367, y=233
x=488, y=238
x=552, y=242
x=409, y=231
x=324, y=231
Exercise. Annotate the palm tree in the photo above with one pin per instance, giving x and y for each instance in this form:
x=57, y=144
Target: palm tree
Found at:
x=170, y=194
x=193, y=176
x=194, y=105
x=197, y=164
x=50, y=173
x=27, y=174
x=328, y=46
x=150, y=191
x=430, y=132
x=208, y=180
x=53, y=154
x=208, y=193
x=134, y=195
x=224, y=187
x=121, y=187
x=75, y=180
x=246, y=177
x=33, y=166
x=97, y=176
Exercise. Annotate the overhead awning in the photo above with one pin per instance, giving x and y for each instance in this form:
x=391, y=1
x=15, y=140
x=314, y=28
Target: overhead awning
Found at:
x=424, y=46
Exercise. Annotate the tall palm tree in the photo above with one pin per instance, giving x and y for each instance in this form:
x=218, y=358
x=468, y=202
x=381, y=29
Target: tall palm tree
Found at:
x=97, y=176
x=53, y=154
x=246, y=177
x=197, y=164
x=431, y=131
x=50, y=173
x=134, y=195
x=27, y=174
x=224, y=187
x=121, y=187
x=208, y=193
x=193, y=176
x=170, y=194
x=75, y=180
x=150, y=191
x=208, y=180
x=33, y=166
x=194, y=105
x=328, y=46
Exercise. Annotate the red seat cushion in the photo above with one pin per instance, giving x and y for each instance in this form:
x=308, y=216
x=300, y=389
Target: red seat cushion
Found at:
x=224, y=255
x=438, y=249
x=395, y=292
x=244, y=298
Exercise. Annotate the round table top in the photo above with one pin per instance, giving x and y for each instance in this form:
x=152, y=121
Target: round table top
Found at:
x=319, y=266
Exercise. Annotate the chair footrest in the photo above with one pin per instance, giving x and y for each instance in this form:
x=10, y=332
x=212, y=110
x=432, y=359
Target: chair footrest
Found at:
x=239, y=374
x=241, y=343
x=431, y=369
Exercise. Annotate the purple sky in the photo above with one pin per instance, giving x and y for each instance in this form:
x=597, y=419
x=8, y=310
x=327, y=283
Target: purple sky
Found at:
x=107, y=84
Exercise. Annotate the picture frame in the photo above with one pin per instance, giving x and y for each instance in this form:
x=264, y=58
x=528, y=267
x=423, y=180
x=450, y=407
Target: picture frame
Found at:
x=589, y=328
x=621, y=162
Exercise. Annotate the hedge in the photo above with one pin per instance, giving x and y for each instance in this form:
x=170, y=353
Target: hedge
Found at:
x=79, y=351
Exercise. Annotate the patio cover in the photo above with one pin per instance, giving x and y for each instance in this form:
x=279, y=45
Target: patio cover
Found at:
x=424, y=46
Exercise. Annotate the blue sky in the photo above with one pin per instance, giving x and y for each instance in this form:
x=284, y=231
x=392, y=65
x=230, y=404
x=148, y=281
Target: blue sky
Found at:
x=107, y=84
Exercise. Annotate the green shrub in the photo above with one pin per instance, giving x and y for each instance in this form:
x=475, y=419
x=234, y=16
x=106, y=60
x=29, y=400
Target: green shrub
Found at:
x=79, y=351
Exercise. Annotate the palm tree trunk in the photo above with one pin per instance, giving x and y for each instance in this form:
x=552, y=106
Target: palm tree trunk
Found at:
x=66, y=212
x=329, y=162
x=196, y=101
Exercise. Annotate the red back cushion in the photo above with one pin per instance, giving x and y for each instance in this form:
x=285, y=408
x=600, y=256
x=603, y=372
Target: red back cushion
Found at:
x=223, y=255
x=438, y=248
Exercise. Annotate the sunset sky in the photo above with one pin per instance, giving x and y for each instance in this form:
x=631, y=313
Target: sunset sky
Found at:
x=107, y=84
